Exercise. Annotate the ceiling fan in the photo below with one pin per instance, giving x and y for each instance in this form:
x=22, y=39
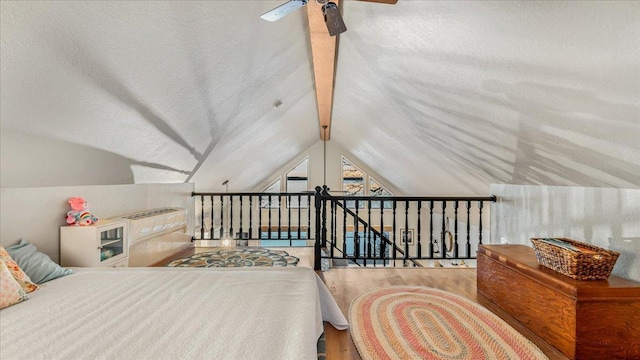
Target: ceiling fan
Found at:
x=332, y=16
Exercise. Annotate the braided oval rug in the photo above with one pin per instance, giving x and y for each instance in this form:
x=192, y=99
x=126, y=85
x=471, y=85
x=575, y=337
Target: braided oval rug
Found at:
x=411, y=322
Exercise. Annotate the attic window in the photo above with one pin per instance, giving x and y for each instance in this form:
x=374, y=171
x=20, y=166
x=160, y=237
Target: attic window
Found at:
x=298, y=181
x=273, y=201
x=352, y=182
x=376, y=189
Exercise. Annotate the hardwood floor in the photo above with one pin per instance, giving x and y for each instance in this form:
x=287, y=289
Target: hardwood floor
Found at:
x=345, y=284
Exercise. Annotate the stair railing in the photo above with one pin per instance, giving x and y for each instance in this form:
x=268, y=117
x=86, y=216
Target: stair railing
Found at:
x=411, y=229
x=445, y=239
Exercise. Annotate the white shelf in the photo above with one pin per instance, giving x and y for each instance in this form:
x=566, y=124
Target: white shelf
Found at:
x=104, y=243
x=99, y=245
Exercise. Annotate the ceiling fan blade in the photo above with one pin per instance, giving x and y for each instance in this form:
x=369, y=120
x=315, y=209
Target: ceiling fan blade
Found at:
x=283, y=10
x=382, y=1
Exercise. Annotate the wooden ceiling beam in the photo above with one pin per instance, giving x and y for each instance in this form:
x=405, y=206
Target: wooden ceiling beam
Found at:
x=323, y=52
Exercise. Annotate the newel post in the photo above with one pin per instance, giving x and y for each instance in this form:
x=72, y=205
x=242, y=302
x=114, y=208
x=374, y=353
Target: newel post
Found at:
x=318, y=245
x=325, y=194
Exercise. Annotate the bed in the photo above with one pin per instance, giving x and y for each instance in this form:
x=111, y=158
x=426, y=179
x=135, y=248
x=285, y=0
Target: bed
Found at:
x=172, y=313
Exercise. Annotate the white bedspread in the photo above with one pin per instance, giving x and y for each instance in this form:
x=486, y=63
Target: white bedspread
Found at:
x=172, y=313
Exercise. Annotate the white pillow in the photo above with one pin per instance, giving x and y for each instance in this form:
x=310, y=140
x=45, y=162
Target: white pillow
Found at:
x=12, y=292
x=18, y=274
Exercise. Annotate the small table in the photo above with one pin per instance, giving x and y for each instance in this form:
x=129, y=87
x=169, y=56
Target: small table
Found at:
x=598, y=319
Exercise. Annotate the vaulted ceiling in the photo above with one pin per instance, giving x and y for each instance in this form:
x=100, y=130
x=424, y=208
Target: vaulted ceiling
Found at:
x=438, y=97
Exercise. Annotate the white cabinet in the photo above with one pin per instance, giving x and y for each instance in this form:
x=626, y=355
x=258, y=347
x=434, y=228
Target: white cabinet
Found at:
x=101, y=244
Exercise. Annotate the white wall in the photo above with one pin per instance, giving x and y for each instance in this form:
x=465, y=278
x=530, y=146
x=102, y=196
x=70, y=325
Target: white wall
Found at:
x=29, y=160
x=36, y=214
x=605, y=217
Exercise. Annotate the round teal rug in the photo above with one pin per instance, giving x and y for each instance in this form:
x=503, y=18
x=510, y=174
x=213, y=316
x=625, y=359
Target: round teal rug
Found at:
x=238, y=257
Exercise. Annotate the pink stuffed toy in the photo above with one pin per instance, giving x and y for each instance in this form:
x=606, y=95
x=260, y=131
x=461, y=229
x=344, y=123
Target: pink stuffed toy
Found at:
x=79, y=214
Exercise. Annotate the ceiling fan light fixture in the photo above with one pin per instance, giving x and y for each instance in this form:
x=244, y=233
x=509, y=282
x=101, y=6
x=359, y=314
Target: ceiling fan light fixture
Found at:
x=333, y=19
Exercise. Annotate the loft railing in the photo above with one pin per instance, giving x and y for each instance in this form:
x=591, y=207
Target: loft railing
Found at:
x=253, y=216
x=357, y=230
x=407, y=229
x=374, y=243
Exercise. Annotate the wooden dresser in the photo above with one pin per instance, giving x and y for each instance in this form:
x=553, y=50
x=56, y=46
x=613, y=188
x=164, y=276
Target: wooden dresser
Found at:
x=582, y=319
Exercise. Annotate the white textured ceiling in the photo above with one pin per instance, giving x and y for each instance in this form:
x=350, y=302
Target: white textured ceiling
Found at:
x=438, y=97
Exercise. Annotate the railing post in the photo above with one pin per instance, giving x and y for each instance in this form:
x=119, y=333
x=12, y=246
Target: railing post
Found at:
x=289, y=219
x=406, y=232
x=231, y=219
x=251, y=217
x=334, y=226
x=480, y=204
x=367, y=228
x=443, y=233
x=394, y=232
x=212, y=224
x=300, y=216
x=325, y=193
x=455, y=236
x=383, y=250
x=222, y=229
x=280, y=217
x=241, y=208
x=202, y=217
x=269, y=228
x=431, y=252
x=468, y=244
x=318, y=247
x=419, y=245
x=260, y=217
x=356, y=231
x=344, y=229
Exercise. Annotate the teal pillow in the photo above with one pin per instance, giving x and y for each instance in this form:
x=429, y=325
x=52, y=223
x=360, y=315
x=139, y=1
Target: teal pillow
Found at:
x=37, y=265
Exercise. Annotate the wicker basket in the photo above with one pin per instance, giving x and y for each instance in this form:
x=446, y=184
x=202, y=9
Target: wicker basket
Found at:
x=577, y=265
